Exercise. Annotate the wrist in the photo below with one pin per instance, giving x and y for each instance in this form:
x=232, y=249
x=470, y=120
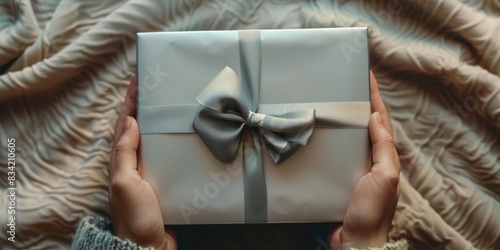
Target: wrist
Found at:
x=169, y=242
x=163, y=245
x=360, y=242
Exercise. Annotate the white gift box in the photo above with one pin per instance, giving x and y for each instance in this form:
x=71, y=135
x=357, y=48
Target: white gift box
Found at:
x=326, y=70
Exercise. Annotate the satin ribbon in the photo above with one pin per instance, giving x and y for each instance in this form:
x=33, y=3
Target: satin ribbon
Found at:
x=225, y=111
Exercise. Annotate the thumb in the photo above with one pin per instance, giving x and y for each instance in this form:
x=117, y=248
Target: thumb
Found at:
x=384, y=150
x=126, y=148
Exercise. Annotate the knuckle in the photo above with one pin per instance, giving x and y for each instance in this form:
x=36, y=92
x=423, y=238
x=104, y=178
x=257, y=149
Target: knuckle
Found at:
x=384, y=114
x=398, y=164
x=392, y=179
x=387, y=144
x=121, y=116
x=122, y=148
x=118, y=184
x=389, y=141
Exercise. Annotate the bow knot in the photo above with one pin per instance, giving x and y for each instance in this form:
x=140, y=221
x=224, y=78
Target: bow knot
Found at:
x=254, y=119
x=225, y=111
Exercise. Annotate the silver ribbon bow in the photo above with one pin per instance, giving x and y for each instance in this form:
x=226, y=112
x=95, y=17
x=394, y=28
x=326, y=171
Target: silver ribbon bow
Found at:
x=225, y=110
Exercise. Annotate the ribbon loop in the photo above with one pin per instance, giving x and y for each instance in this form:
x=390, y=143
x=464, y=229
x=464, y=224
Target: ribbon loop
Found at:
x=224, y=111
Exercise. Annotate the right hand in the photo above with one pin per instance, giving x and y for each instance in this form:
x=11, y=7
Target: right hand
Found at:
x=373, y=203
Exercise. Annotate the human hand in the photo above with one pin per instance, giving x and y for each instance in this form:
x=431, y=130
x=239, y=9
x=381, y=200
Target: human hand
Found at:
x=134, y=208
x=373, y=203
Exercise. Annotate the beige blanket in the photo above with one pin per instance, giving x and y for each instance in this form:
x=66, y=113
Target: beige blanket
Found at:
x=67, y=64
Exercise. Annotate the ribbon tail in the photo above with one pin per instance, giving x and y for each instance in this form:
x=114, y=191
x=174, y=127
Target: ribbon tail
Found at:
x=255, y=190
x=280, y=156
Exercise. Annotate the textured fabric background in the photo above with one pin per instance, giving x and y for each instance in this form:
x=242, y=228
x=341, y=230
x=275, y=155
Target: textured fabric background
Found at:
x=67, y=64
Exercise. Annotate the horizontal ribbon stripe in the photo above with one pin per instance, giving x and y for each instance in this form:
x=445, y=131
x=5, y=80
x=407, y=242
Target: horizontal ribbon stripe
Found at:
x=166, y=119
x=328, y=114
x=178, y=119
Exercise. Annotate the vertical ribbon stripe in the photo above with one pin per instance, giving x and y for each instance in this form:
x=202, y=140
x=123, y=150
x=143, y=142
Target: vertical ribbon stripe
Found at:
x=255, y=191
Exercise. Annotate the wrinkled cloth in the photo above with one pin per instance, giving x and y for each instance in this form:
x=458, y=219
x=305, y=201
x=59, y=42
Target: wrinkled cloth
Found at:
x=66, y=65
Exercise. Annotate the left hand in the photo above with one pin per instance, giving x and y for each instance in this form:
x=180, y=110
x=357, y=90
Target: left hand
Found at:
x=135, y=210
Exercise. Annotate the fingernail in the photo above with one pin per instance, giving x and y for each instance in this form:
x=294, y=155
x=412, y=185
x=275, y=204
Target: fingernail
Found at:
x=127, y=124
x=379, y=118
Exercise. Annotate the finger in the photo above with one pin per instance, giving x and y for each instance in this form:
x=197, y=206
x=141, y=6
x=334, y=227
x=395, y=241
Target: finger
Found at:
x=335, y=242
x=384, y=152
x=128, y=109
x=126, y=149
x=129, y=106
x=377, y=103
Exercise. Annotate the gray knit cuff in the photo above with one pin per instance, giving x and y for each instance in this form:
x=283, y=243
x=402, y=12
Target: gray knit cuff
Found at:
x=96, y=233
x=400, y=244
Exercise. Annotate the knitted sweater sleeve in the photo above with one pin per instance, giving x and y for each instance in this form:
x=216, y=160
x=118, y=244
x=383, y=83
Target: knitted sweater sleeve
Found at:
x=400, y=244
x=97, y=233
